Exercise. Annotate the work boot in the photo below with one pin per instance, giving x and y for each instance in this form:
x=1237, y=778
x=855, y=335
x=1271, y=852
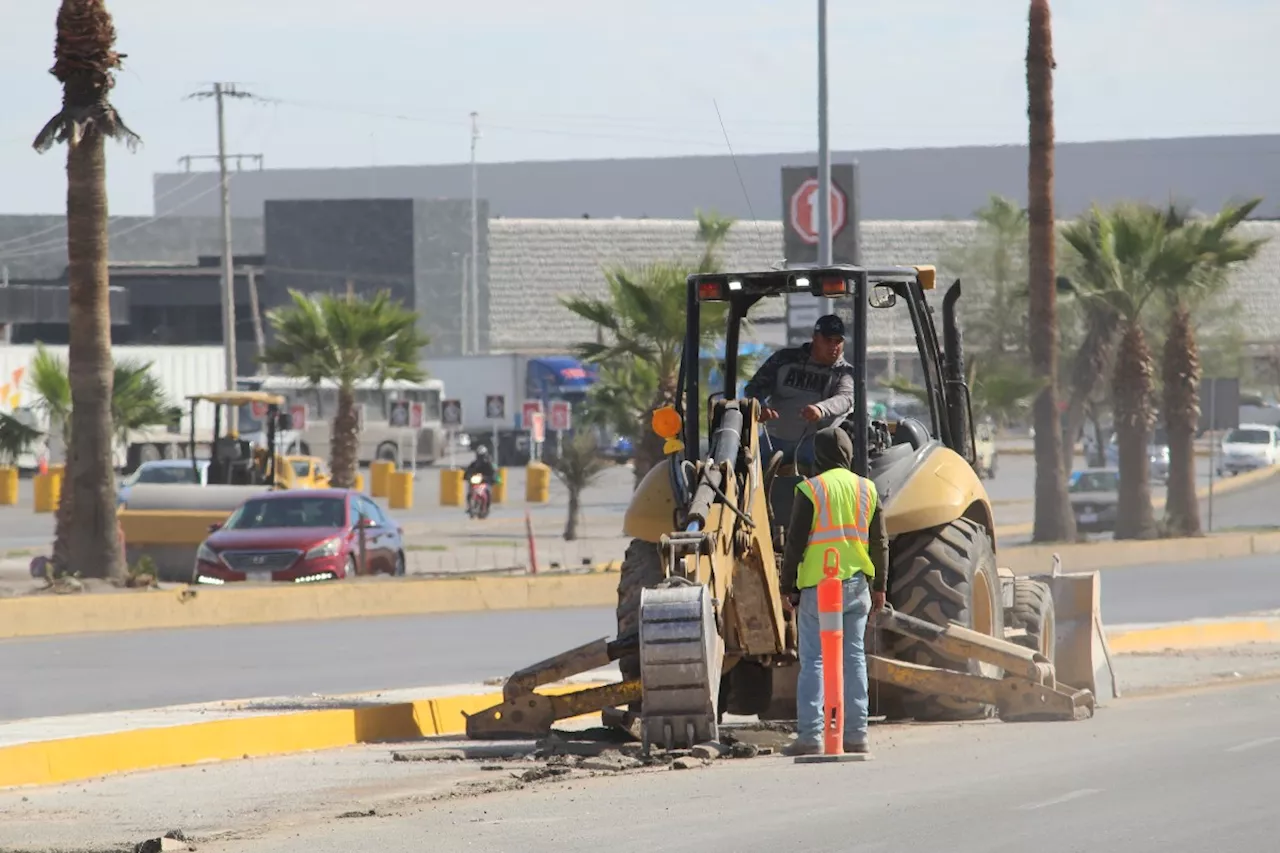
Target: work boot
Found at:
x=801, y=747
x=860, y=747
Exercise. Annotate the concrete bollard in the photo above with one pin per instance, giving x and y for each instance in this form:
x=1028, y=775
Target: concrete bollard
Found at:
x=400, y=490
x=8, y=486
x=452, y=488
x=379, y=478
x=537, y=485
x=48, y=490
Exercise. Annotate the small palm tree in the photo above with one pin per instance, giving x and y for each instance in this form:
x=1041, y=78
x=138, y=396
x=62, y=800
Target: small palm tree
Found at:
x=16, y=438
x=346, y=340
x=1124, y=255
x=579, y=465
x=1200, y=253
x=640, y=337
x=84, y=61
x=138, y=401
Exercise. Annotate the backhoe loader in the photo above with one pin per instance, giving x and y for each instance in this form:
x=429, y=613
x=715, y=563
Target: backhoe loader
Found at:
x=167, y=523
x=701, y=627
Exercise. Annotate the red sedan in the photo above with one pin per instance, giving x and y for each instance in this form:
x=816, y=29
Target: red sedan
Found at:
x=302, y=536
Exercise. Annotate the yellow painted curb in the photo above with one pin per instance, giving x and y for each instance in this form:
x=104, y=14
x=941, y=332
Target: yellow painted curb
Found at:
x=1201, y=452
x=1225, y=487
x=1195, y=635
x=75, y=759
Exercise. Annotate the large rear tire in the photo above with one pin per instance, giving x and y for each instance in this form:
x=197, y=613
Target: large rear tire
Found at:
x=946, y=574
x=1033, y=610
x=641, y=569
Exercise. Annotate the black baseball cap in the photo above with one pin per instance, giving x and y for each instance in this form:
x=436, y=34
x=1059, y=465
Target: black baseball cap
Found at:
x=829, y=326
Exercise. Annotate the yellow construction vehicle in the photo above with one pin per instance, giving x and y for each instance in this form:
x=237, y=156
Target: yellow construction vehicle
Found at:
x=167, y=523
x=701, y=627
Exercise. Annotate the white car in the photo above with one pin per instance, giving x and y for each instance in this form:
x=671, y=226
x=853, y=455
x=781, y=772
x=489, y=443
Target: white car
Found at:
x=1249, y=447
x=166, y=472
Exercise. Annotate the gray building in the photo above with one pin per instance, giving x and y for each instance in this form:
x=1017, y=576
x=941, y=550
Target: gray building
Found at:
x=910, y=184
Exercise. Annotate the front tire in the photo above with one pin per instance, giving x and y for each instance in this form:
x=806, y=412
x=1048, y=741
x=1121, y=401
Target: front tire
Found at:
x=946, y=574
x=641, y=569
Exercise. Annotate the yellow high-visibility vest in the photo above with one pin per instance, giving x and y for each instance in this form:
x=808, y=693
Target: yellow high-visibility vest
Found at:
x=843, y=504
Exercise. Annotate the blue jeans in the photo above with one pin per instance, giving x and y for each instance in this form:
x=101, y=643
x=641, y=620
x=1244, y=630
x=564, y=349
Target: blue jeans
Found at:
x=857, y=606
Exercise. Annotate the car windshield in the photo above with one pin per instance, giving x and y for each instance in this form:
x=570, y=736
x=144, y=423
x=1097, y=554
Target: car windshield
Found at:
x=1095, y=481
x=301, y=467
x=1248, y=436
x=166, y=474
x=264, y=513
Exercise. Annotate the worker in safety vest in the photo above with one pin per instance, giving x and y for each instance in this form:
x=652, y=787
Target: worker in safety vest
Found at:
x=839, y=510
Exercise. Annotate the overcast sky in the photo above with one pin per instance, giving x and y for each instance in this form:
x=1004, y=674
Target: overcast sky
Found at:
x=392, y=81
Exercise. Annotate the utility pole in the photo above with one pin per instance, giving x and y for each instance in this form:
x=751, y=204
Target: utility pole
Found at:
x=220, y=92
x=475, y=243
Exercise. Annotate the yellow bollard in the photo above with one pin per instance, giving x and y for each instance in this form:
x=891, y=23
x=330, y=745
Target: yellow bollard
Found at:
x=359, y=482
x=537, y=484
x=500, y=487
x=60, y=469
x=48, y=489
x=452, y=490
x=400, y=490
x=379, y=474
x=8, y=486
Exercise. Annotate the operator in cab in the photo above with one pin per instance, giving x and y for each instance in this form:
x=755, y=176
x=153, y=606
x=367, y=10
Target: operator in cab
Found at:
x=841, y=510
x=799, y=386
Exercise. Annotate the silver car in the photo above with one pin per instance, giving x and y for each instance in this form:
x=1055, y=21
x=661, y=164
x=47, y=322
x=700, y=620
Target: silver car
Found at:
x=1095, y=496
x=1157, y=455
x=165, y=472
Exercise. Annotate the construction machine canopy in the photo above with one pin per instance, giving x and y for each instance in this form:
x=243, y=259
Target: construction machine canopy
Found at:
x=859, y=290
x=238, y=398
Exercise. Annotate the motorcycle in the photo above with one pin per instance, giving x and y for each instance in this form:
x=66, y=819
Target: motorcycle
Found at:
x=478, y=499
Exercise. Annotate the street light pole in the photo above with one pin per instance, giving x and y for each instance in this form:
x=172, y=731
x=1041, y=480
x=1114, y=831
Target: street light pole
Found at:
x=475, y=244
x=824, y=152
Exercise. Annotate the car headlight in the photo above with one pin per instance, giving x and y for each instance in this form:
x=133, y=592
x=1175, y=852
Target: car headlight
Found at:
x=327, y=548
x=205, y=554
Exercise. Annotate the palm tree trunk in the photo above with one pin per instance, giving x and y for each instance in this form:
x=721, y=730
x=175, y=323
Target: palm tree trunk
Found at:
x=575, y=509
x=1132, y=389
x=1181, y=368
x=93, y=548
x=1053, y=519
x=1091, y=364
x=345, y=442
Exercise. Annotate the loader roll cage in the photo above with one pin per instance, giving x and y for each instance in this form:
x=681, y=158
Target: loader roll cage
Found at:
x=231, y=460
x=863, y=289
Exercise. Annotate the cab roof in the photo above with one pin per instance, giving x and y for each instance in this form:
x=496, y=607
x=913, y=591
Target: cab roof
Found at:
x=238, y=398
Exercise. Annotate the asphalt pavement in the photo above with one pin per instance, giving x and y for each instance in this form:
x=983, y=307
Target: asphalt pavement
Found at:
x=1180, y=774
x=116, y=672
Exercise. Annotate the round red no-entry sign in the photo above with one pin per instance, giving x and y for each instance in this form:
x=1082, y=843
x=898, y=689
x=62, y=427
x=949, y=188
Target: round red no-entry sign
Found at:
x=804, y=210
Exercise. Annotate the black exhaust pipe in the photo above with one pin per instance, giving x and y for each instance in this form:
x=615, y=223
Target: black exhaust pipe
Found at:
x=959, y=409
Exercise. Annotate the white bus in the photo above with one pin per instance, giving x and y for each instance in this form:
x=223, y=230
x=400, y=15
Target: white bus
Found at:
x=379, y=438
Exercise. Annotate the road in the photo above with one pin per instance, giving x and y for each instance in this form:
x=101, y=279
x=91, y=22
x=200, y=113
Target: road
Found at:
x=114, y=672
x=1179, y=774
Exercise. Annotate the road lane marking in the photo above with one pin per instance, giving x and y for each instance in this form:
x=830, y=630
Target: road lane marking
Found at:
x=1263, y=741
x=1065, y=798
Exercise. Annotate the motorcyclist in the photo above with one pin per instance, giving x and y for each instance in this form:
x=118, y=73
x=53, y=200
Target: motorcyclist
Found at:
x=798, y=387
x=481, y=465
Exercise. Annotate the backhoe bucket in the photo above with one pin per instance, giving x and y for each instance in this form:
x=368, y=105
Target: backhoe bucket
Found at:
x=1082, y=657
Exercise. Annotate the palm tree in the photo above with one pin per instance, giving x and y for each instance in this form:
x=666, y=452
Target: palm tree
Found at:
x=346, y=339
x=16, y=439
x=1123, y=257
x=1199, y=254
x=1091, y=363
x=84, y=61
x=579, y=465
x=138, y=401
x=1053, y=519
x=643, y=320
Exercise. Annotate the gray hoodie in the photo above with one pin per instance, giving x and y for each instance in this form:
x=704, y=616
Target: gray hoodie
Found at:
x=790, y=380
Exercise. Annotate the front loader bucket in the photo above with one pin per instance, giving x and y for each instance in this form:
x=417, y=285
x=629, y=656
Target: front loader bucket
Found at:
x=1082, y=657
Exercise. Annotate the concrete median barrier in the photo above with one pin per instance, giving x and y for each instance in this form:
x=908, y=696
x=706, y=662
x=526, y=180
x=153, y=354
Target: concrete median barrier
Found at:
x=205, y=607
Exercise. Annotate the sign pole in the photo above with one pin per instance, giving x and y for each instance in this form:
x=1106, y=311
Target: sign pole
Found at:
x=1213, y=422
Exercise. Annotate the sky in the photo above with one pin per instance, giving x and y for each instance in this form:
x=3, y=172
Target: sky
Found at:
x=394, y=81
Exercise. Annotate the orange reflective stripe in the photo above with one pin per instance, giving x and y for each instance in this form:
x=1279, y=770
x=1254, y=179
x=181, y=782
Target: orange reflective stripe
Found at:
x=863, y=513
x=838, y=534
x=821, y=512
